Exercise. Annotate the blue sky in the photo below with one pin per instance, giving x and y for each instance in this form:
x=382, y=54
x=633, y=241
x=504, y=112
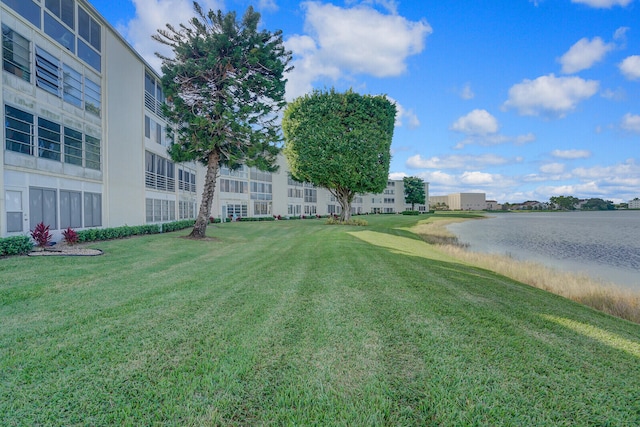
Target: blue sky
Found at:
x=519, y=99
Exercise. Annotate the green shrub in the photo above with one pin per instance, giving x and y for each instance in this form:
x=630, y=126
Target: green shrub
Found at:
x=410, y=213
x=16, y=245
x=352, y=221
x=177, y=225
x=96, y=234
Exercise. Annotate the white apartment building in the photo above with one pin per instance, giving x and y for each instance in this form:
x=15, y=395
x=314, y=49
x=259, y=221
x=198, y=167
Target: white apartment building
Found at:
x=634, y=204
x=84, y=141
x=248, y=192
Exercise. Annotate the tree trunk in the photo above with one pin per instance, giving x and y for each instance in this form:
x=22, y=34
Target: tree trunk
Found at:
x=200, y=228
x=344, y=198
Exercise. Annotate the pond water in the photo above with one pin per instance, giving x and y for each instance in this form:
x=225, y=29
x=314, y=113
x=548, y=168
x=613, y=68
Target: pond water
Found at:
x=604, y=245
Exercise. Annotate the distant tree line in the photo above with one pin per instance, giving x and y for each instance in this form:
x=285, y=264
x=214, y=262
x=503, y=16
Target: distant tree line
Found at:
x=567, y=203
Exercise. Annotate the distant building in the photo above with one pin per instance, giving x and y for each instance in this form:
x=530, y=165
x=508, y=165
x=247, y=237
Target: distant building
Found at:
x=460, y=201
x=634, y=204
x=493, y=205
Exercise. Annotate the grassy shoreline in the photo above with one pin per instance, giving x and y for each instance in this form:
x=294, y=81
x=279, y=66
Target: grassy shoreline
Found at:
x=299, y=323
x=607, y=297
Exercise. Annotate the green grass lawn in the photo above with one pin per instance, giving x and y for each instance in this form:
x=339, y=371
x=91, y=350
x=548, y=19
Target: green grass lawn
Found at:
x=299, y=323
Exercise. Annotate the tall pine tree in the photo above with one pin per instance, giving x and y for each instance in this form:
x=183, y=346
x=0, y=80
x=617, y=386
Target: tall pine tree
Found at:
x=224, y=86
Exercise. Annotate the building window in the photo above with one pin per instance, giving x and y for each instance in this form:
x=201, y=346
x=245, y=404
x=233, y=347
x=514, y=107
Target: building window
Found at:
x=89, y=29
x=160, y=210
x=27, y=9
x=261, y=208
x=159, y=173
x=389, y=200
x=153, y=131
x=237, y=211
x=92, y=97
x=258, y=175
x=13, y=205
x=89, y=56
x=16, y=56
x=153, y=95
x=310, y=195
x=186, y=209
x=59, y=33
x=19, y=130
x=332, y=209
x=72, y=147
x=92, y=209
x=233, y=186
x=48, y=139
x=294, y=209
x=295, y=193
x=261, y=191
x=186, y=180
x=92, y=152
x=72, y=86
x=42, y=207
x=63, y=10
x=70, y=209
x=47, y=72
x=239, y=172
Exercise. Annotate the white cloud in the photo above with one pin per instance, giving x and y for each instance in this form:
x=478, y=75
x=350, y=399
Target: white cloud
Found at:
x=603, y=4
x=630, y=67
x=571, y=154
x=405, y=116
x=397, y=175
x=584, y=54
x=552, y=168
x=625, y=174
x=631, y=122
x=477, y=178
x=477, y=122
x=578, y=190
x=621, y=34
x=343, y=42
x=495, y=139
x=618, y=94
x=623, y=178
x=457, y=161
x=524, y=139
x=467, y=93
x=389, y=5
x=268, y=5
x=550, y=95
x=438, y=177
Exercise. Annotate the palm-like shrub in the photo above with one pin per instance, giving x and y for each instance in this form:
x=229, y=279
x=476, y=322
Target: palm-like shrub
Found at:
x=41, y=235
x=70, y=236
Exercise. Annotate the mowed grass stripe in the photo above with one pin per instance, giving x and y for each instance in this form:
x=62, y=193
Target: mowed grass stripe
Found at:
x=295, y=322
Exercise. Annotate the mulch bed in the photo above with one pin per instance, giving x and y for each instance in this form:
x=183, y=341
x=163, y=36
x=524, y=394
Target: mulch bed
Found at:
x=65, y=250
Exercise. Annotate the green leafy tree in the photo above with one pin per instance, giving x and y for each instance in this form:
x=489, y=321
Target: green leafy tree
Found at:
x=413, y=190
x=224, y=86
x=598, y=204
x=564, y=202
x=340, y=141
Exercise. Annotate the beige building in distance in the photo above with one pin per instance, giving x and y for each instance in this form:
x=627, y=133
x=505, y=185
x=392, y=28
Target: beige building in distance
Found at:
x=460, y=201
